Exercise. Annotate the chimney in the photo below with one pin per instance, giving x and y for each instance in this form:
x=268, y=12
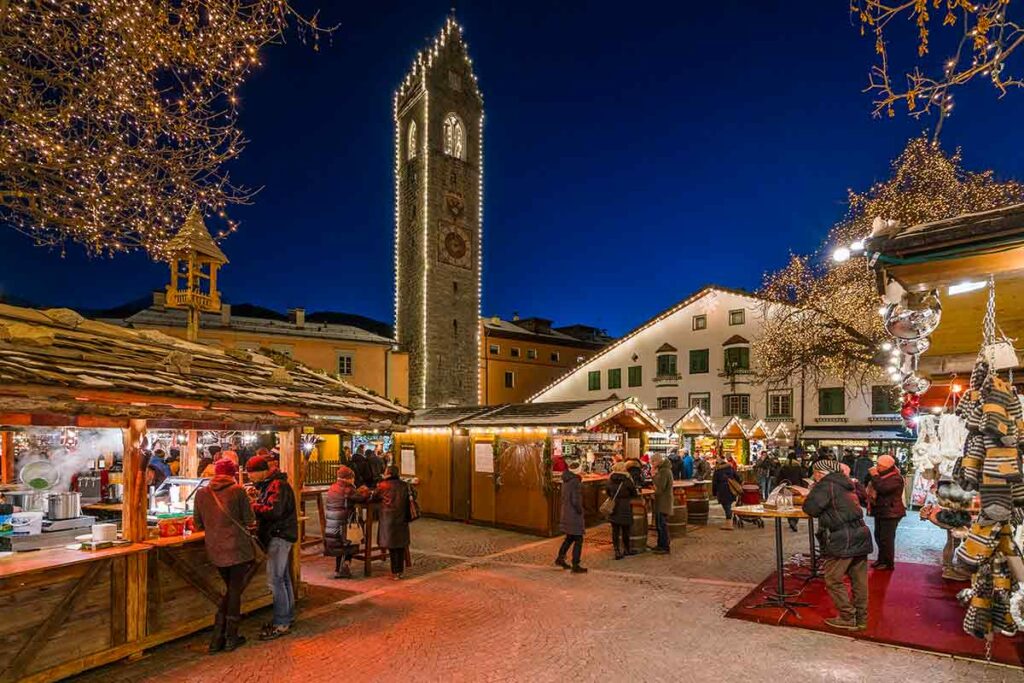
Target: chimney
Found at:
x=297, y=317
x=515, y=316
x=225, y=314
x=159, y=298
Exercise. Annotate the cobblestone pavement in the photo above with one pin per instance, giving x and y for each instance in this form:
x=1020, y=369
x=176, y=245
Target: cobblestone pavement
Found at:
x=486, y=605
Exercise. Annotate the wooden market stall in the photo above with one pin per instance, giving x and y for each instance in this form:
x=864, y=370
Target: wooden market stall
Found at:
x=697, y=434
x=512, y=447
x=435, y=449
x=68, y=610
x=757, y=438
x=781, y=435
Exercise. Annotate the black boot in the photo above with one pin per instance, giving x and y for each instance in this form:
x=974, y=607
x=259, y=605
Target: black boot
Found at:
x=576, y=569
x=232, y=640
x=618, y=549
x=217, y=637
x=560, y=562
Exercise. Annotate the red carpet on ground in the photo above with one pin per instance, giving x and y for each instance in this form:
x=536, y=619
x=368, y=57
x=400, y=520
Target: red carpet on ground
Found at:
x=911, y=607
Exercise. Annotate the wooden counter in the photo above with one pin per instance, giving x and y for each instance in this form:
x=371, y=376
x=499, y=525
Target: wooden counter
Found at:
x=65, y=610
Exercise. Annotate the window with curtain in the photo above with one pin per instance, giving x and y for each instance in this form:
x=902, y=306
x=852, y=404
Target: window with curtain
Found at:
x=737, y=358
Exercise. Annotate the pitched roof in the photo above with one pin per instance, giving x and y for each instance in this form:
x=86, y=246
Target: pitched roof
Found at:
x=194, y=236
x=971, y=232
x=699, y=294
x=735, y=339
x=584, y=414
x=507, y=329
x=445, y=417
x=56, y=361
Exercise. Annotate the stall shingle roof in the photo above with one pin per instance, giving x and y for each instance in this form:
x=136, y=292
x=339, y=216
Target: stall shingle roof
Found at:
x=980, y=230
x=561, y=414
x=65, y=363
x=445, y=417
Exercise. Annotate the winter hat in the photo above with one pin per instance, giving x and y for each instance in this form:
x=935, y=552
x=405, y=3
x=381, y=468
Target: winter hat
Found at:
x=575, y=466
x=826, y=465
x=257, y=463
x=345, y=473
x=886, y=461
x=225, y=468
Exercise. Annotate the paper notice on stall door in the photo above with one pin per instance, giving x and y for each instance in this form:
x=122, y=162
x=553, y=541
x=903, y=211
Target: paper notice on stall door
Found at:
x=408, y=462
x=484, y=457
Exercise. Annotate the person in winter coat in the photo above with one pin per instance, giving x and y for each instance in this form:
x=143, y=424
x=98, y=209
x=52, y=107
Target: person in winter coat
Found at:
x=378, y=464
x=765, y=468
x=702, y=469
x=721, y=491
x=393, y=525
x=662, y=501
x=278, y=523
x=861, y=468
x=571, y=523
x=885, y=504
x=687, y=465
x=635, y=469
x=675, y=464
x=792, y=473
x=339, y=510
x=361, y=466
x=849, y=459
x=222, y=510
x=621, y=489
x=845, y=543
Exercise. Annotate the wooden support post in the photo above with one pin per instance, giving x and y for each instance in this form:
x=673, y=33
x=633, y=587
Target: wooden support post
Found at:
x=190, y=458
x=133, y=507
x=6, y=457
x=289, y=443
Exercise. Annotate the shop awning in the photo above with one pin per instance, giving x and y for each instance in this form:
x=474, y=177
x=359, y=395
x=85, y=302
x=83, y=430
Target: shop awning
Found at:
x=856, y=432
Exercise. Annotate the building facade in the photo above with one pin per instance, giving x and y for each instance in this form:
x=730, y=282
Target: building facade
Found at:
x=698, y=353
x=519, y=357
x=357, y=355
x=438, y=117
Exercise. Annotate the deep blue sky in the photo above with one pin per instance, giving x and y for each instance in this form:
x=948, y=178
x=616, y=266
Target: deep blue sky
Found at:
x=632, y=153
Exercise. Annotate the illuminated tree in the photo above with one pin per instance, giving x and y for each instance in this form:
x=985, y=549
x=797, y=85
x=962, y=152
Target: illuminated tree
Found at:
x=983, y=40
x=820, y=316
x=117, y=116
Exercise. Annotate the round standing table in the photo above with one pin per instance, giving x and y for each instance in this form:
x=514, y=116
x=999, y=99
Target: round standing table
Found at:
x=779, y=598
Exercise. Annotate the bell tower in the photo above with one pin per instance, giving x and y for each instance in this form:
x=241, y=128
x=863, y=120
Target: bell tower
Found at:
x=438, y=116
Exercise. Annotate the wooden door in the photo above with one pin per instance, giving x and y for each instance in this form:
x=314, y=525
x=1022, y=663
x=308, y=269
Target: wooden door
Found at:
x=462, y=478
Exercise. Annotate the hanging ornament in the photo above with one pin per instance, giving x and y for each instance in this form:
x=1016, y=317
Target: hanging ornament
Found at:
x=915, y=385
x=913, y=323
x=914, y=347
x=911, y=403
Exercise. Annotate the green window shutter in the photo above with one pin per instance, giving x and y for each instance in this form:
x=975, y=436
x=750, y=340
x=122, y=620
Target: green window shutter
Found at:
x=884, y=400
x=615, y=378
x=594, y=380
x=831, y=401
x=636, y=377
x=698, y=361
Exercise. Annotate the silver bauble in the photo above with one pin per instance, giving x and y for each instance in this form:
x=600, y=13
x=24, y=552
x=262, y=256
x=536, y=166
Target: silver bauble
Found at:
x=913, y=347
x=915, y=385
x=913, y=323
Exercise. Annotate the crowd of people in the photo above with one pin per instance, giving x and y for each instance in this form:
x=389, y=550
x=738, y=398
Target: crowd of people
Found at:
x=245, y=524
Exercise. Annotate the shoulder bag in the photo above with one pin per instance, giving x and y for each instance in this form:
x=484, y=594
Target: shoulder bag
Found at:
x=414, y=506
x=257, y=550
x=735, y=487
x=608, y=506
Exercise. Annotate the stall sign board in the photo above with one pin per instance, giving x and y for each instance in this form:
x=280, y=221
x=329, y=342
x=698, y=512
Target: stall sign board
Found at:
x=408, y=461
x=484, y=457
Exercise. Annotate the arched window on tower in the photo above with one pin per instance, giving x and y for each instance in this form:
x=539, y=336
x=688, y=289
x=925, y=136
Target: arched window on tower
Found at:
x=411, y=142
x=454, y=137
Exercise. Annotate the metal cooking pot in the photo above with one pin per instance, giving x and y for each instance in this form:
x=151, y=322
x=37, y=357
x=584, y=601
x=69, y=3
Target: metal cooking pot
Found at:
x=26, y=499
x=66, y=505
x=115, y=492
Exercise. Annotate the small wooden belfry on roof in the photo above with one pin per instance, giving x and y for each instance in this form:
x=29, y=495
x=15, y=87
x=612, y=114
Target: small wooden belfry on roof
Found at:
x=194, y=258
x=494, y=465
x=60, y=370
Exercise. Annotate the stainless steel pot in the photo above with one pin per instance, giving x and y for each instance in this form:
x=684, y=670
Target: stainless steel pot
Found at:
x=115, y=492
x=28, y=500
x=66, y=505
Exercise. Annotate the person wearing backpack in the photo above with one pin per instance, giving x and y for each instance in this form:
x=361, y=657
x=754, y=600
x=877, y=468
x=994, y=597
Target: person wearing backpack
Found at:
x=572, y=523
x=621, y=490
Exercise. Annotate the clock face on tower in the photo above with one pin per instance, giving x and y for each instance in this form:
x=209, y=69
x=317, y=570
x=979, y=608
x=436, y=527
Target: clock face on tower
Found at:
x=454, y=245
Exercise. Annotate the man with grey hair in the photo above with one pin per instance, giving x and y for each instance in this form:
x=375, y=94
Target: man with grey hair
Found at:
x=662, y=500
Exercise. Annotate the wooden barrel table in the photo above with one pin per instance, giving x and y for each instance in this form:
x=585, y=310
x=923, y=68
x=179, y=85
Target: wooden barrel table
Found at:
x=697, y=503
x=638, y=529
x=677, y=520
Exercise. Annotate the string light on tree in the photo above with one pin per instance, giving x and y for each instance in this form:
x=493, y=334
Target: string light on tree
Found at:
x=117, y=116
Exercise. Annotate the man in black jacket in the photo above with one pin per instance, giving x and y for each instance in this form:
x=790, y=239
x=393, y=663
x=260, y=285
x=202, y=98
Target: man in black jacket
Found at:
x=278, y=523
x=792, y=473
x=845, y=542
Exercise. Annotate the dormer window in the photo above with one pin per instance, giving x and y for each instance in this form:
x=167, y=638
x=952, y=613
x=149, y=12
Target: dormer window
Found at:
x=667, y=361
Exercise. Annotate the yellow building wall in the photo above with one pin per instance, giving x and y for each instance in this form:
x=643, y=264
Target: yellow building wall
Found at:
x=374, y=366
x=531, y=375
